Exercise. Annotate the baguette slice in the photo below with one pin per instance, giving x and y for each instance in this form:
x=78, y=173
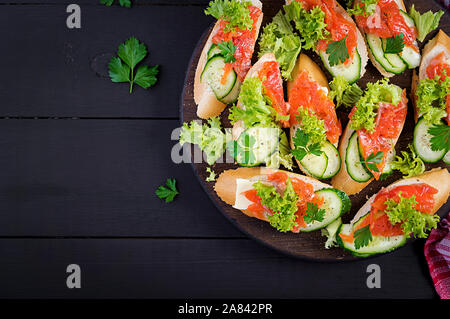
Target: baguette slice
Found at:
x=238, y=127
x=304, y=63
x=342, y=180
x=207, y=104
x=440, y=43
x=377, y=65
x=438, y=178
x=225, y=186
x=361, y=46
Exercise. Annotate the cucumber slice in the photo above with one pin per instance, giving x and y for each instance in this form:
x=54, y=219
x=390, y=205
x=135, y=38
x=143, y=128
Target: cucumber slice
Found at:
x=351, y=72
x=447, y=158
x=408, y=20
x=212, y=74
x=260, y=143
x=355, y=168
x=387, y=170
x=422, y=143
x=213, y=50
x=376, y=47
x=410, y=57
x=378, y=245
x=232, y=97
x=315, y=165
x=334, y=160
x=335, y=203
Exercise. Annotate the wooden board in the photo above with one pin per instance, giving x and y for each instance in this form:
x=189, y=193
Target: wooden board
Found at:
x=304, y=245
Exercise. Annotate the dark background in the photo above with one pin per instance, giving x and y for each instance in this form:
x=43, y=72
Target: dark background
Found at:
x=81, y=158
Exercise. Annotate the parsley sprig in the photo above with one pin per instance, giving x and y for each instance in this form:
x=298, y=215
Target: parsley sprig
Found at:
x=372, y=160
x=337, y=51
x=122, y=68
x=227, y=50
x=394, y=44
x=440, y=139
x=302, y=148
x=313, y=213
x=363, y=237
x=168, y=193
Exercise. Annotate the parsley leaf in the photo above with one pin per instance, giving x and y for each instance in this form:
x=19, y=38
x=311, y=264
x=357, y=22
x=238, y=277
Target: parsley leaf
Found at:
x=363, y=237
x=301, y=140
x=227, y=49
x=121, y=69
x=372, y=159
x=313, y=213
x=168, y=193
x=337, y=51
x=394, y=44
x=123, y=3
x=440, y=139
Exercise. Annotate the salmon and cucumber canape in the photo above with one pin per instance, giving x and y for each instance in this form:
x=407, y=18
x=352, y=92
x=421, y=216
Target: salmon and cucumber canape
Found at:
x=315, y=128
x=329, y=30
x=390, y=33
x=431, y=98
x=289, y=202
x=226, y=56
x=367, y=145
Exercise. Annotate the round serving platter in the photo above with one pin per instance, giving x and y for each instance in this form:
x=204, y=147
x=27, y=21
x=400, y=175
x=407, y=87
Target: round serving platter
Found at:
x=303, y=245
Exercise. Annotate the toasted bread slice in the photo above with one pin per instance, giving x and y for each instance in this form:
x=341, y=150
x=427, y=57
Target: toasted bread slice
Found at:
x=438, y=178
x=207, y=104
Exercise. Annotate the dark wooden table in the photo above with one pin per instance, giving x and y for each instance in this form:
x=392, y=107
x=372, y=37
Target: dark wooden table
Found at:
x=81, y=158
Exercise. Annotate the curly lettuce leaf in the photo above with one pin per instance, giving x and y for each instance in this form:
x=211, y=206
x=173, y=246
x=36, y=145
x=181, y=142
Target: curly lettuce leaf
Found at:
x=366, y=108
x=278, y=37
x=235, y=13
x=425, y=23
x=312, y=126
x=410, y=165
x=414, y=222
x=284, y=206
x=311, y=24
x=209, y=138
x=330, y=232
x=344, y=93
x=257, y=109
x=362, y=7
x=432, y=98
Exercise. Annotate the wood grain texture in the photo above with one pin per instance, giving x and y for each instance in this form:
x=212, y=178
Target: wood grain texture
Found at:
x=52, y=71
x=189, y=268
x=309, y=245
x=94, y=178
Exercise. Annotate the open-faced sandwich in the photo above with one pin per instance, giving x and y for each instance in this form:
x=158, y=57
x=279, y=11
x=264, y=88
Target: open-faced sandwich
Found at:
x=390, y=34
x=226, y=56
x=315, y=128
x=430, y=92
x=329, y=30
x=403, y=209
x=288, y=201
x=367, y=145
x=258, y=116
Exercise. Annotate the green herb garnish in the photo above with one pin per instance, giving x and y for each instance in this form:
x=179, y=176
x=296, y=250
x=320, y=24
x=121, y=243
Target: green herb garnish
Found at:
x=313, y=213
x=121, y=68
x=372, y=160
x=337, y=51
x=303, y=147
x=363, y=237
x=394, y=44
x=168, y=193
x=227, y=50
x=440, y=139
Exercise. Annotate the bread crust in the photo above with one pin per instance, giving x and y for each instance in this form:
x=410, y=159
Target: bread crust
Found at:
x=441, y=42
x=342, y=179
x=438, y=178
x=207, y=104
